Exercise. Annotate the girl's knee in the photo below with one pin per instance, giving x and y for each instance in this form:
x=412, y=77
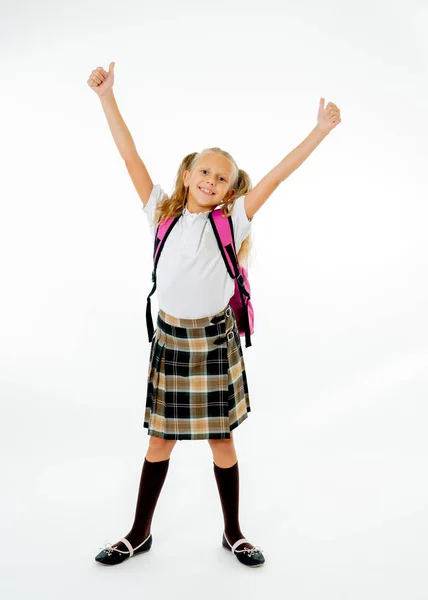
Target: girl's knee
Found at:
x=158, y=443
x=223, y=443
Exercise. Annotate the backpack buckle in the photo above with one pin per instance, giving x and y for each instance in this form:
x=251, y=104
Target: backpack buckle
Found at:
x=230, y=336
x=240, y=279
x=228, y=311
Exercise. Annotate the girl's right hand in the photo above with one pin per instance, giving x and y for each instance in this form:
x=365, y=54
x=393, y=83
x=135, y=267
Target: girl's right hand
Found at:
x=100, y=81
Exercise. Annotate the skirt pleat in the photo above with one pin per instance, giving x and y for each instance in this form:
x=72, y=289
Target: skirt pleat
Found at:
x=197, y=384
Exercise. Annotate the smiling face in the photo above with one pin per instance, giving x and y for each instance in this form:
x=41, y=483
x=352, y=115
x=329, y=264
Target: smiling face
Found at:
x=208, y=182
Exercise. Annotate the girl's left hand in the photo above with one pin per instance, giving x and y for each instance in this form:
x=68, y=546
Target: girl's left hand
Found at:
x=328, y=117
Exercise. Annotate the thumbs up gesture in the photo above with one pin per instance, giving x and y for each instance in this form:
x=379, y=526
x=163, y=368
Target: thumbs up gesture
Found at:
x=328, y=117
x=101, y=81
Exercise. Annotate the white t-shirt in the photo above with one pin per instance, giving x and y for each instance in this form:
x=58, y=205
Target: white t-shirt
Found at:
x=191, y=278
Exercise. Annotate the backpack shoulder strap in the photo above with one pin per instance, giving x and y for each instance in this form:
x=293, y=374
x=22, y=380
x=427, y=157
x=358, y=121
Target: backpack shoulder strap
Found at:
x=162, y=232
x=223, y=231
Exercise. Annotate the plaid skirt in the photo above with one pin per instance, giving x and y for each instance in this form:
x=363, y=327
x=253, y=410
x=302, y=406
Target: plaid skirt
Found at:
x=197, y=385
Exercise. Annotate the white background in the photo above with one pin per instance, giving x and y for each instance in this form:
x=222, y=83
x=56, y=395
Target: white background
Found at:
x=333, y=455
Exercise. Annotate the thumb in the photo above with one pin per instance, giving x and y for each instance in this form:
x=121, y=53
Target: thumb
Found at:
x=322, y=100
x=111, y=67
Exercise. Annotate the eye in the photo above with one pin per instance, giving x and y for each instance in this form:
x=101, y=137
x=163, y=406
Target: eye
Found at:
x=202, y=170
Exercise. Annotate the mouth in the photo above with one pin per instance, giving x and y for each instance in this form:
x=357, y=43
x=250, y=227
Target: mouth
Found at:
x=206, y=192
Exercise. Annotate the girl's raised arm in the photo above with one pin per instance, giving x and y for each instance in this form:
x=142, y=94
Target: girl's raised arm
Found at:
x=101, y=82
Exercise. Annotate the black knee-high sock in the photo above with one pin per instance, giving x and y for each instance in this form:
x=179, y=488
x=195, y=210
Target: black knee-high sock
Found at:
x=228, y=486
x=153, y=476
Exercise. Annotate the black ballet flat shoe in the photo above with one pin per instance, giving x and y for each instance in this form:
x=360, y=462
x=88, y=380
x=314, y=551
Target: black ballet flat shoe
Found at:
x=251, y=557
x=113, y=556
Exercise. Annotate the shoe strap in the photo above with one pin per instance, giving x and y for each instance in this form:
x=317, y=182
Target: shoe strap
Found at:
x=236, y=544
x=128, y=545
x=142, y=543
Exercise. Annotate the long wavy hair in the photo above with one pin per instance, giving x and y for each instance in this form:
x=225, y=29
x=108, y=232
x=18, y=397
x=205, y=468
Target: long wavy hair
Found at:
x=172, y=206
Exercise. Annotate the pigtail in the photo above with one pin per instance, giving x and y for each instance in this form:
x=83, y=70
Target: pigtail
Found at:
x=243, y=186
x=172, y=206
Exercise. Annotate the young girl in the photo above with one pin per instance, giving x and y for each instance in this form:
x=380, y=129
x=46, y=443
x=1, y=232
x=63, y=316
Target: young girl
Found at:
x=197, y=384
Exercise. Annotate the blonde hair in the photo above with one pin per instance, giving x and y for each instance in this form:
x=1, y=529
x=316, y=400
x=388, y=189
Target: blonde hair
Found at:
x=172, y=206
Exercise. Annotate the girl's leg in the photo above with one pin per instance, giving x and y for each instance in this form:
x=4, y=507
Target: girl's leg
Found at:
x=226, y=472
x=153, y=475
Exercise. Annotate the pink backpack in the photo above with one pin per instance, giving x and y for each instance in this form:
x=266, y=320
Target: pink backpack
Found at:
x=241, y=300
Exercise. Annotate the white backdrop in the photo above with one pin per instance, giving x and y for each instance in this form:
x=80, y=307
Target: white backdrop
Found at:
x=333, y=453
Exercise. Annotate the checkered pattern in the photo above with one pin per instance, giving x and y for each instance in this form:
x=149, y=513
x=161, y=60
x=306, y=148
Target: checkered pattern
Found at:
x=197, y=386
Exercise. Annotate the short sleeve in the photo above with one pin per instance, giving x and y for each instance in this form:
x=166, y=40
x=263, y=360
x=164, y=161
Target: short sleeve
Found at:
x=149, y=209
x=241, y=223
